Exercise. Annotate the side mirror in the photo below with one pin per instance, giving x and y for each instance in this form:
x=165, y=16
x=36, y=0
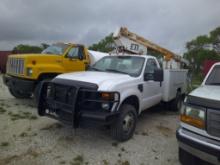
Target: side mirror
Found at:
x=156, y=76
x=80, y=57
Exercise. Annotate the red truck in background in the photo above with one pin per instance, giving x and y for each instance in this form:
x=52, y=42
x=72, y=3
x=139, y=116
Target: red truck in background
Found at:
x=3, y=60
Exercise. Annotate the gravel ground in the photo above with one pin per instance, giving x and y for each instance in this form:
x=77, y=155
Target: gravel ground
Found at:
x=27, y=139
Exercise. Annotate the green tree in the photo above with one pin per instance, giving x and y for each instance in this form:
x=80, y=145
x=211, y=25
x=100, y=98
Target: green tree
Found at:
x=215, y=35
x=105, y=45
x=27, y=49
x=44, y=45
x=197, y=53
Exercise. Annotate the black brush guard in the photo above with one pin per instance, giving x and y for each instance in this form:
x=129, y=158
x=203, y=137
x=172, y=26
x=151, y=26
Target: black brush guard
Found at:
x=65, y=103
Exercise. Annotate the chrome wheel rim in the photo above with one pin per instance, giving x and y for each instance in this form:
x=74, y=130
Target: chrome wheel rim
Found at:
x=128, y=123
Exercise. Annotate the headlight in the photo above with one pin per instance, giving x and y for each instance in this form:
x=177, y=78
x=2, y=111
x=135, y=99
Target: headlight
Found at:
x=29, y=71
x=193, y=116
x=110, y=96
x=109, y=100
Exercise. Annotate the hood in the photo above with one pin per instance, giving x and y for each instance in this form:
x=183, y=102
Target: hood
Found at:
x=33, y=55
x=38, y=58
x=105, y=80
x=211, y=92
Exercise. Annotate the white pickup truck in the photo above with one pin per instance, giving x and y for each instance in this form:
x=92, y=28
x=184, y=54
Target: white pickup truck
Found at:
x=199, y=131
x=113, y=92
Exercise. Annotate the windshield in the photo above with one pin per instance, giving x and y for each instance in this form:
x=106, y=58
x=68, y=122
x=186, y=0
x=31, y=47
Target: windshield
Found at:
x=55, y=49
x=214, y=76
x=120, y=64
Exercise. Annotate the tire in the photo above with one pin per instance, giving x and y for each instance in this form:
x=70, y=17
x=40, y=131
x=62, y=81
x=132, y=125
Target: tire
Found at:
x=176, y=104
x=37, y=90
x=19, y=94
x=123, y=128
x=186, y=158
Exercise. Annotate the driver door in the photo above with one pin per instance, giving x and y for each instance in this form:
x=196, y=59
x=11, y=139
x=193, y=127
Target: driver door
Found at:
x=152, y=89
x=75, y=59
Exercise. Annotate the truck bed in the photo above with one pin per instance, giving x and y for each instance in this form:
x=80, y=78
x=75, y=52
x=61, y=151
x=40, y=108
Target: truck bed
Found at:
x=174, y=79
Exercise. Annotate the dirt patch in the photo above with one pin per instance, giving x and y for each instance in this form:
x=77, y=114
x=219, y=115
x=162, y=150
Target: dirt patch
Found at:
x=27, y=138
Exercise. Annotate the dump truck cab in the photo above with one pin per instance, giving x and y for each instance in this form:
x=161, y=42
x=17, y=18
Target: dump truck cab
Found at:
x=26, y=71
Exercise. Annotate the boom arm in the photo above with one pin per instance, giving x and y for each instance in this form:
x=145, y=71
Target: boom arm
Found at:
x=134, y=43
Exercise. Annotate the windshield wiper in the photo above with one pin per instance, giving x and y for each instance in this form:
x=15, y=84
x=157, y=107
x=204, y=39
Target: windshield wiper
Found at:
x=93, y=68
x=116, y=71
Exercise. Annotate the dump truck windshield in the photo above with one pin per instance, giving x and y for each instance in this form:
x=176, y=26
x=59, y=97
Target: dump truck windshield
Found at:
x=214, y=76
x=120, y=64
x=55, y=49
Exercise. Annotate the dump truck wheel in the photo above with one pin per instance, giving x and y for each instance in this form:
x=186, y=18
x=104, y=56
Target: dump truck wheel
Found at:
x=123, y=128
x=19, y=94
x=37, y=89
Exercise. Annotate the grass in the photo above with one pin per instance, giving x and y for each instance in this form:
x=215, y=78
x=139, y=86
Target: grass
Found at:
x=144, y=133
x=196, y=81
x=52, y=126
x=78, y=160
x=23, y=134
x=4, y=144
x=22, y=115
x=62, y=162
x=105, y=162
x=123, y=149
x=2, y=110
x=125, y=162
x=115, y=144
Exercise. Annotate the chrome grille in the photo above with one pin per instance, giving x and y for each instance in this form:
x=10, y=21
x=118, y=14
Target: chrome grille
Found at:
x=15, y=66
x=213, y=122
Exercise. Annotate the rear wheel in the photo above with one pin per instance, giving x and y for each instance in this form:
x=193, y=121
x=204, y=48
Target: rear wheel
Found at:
x=123, y=128
x=176, y=104
x=19, y=94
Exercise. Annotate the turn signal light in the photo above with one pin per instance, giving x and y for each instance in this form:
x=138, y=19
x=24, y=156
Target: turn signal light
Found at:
x=192, y=121
x=107, y=96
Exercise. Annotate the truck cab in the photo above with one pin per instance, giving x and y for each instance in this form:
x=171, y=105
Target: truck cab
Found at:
x=199, y=131
x=26, y=71
x=113, y=92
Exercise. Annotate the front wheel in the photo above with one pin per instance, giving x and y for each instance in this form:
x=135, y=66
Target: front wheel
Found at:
x=123, y=128
x=19, y=94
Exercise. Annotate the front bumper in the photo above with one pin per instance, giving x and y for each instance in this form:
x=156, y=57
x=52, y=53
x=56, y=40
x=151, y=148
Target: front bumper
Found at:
x=19, y=83
x=67, y=107
x=200, y=146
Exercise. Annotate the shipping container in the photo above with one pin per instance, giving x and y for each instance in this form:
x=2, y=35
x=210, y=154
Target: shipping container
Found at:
x=3, y=60
x=207, y=65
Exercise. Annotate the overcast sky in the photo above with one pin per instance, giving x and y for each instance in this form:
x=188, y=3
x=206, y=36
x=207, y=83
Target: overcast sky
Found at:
x=170, y=23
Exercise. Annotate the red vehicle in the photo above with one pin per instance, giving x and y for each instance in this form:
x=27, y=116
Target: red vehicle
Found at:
x=3, y=60
x=207, y=65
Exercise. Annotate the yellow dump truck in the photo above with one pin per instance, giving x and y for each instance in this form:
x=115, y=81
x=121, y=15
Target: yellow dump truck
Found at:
x=26, y=71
